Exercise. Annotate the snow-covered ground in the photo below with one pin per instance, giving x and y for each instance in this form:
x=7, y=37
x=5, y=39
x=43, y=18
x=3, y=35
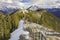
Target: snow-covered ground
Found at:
x=19, y=31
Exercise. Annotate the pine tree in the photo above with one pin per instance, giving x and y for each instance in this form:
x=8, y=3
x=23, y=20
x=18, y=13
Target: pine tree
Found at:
x=2, y=26
x=15, y=20
x=9, y=21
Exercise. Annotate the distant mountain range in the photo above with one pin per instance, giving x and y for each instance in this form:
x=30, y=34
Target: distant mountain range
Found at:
x=55, y=11
x=6, y=7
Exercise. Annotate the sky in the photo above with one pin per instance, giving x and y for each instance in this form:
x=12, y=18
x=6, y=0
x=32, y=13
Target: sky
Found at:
x=39, y=3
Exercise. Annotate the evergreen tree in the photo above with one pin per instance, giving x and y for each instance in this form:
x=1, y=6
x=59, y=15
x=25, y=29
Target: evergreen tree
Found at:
x=9, y=21
x=15, y=21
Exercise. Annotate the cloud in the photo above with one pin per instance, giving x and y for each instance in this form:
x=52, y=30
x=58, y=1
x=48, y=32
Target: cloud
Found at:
x=39, y=3
x=7, y=1
x=15, y=2
x=22, y=5
x=46, y=3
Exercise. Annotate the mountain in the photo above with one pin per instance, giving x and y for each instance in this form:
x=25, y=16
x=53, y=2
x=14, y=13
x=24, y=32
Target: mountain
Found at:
x=41, y=17
x=11, y=7
x=55, y=11
x=8, y=7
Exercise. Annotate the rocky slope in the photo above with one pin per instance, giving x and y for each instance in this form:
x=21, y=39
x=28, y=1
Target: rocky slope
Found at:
x=46, y=32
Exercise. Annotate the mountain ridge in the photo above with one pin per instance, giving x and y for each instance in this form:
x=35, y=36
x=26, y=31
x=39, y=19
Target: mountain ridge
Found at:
x=6, y=8
x=46, y=18
x=9, y=22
